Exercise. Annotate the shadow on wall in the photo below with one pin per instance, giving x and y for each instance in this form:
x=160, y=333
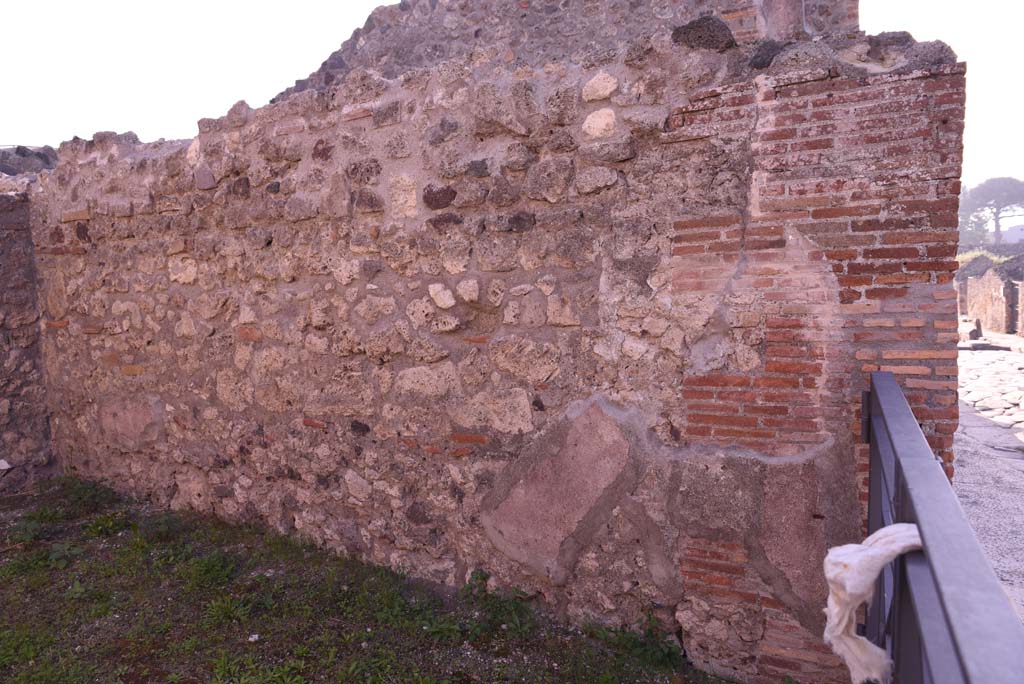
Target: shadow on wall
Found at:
x=24, y=427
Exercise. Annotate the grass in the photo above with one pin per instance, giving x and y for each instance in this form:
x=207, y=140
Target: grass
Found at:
x=967, y=257
x=99, y=590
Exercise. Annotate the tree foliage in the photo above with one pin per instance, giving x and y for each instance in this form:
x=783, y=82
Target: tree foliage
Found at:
x=990, y=202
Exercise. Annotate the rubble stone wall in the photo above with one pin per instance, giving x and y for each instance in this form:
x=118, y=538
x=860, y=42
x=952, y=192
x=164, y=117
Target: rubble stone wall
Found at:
x=24, y=429
x=1019, y=310
x=598, y=328
x=19, y=159
x=415, y=34
x=993, y=299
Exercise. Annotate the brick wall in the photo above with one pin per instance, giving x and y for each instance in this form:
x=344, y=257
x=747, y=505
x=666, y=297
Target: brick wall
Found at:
x=24, y=430
x=853, y=178
x=864, y=169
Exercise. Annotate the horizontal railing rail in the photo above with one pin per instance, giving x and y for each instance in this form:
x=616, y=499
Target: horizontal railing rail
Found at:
x=941, y=613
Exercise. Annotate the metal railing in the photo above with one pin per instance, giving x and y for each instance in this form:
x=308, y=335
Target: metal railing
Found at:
x=940, y=613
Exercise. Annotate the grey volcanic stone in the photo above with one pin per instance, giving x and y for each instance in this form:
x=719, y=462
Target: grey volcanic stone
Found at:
x=764, y=53
x=22, y=159
x=438, y=198
x=706, y=33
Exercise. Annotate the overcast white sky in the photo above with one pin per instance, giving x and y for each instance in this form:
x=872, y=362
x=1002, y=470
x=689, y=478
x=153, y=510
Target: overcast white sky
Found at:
x=77, y=67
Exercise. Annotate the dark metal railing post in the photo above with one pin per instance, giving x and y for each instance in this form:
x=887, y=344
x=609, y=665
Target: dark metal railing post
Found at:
x=875, y=621
x=906, y=651
x=941, y=614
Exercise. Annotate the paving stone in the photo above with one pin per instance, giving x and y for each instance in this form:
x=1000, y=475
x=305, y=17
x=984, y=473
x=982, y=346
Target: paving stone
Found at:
x=993, y=403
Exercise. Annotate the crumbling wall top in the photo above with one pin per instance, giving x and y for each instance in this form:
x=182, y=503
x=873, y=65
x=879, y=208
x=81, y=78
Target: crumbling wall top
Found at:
x=420, y=33
x=18, y=159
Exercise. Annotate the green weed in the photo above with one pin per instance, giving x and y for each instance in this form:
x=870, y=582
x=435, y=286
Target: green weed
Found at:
x=497, y=612
x=26, y=564
x=160, y=529
x=21, y=645
x=225, y=611
x=26, y=531
x=372, y=668
x=44, y=514
x=214, y=570
x=228, y=670
x=76, y=592
x=56, y=673
x=82, y=498
x=651, y=647
x=63, y=554
x=107, y=525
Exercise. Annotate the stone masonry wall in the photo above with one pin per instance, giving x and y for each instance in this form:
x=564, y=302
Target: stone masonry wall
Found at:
x=993, y=299
x=24, y=428
x=1019, y=309
x=598, y=327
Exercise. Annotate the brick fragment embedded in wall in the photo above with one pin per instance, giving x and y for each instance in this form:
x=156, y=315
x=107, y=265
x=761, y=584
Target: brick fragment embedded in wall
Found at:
x=24, y=427
x=391, y=327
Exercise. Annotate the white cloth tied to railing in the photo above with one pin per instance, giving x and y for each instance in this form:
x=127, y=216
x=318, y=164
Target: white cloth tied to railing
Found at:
x=851, y=571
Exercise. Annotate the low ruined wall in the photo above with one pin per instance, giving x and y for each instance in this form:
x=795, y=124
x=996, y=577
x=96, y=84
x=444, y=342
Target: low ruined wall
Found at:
x=1020, y=309
x=993, y=299
x=599, y=329
x=24, y=430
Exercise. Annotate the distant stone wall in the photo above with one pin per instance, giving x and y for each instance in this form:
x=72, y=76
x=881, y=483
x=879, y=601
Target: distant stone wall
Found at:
x=24, y=429
x=993, y=299
x=1020, y=309
x=991, y=293
x=599, y=328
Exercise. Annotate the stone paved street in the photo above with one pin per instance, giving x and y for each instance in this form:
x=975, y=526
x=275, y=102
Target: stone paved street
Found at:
x=992, y=381
x=989, y=448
